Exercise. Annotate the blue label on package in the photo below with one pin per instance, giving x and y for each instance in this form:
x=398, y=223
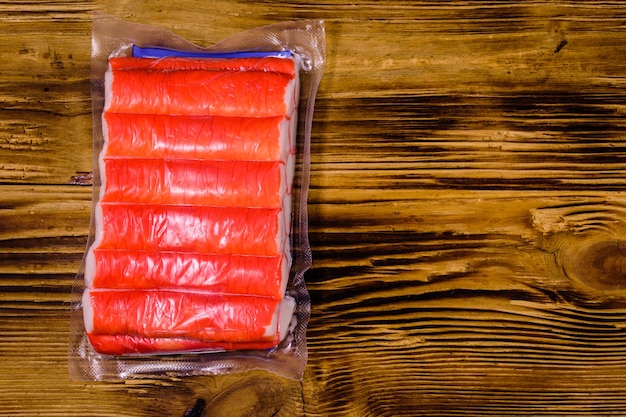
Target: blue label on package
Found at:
x=139, y=52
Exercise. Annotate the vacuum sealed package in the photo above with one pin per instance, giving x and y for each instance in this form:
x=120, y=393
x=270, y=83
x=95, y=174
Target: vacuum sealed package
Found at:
x=198, y=242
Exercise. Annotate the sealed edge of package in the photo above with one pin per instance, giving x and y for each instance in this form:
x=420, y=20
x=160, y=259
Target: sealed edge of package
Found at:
x=198, y=242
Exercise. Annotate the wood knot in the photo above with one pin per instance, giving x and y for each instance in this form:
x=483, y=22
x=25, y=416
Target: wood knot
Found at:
x=255, y=396
x=600, y=264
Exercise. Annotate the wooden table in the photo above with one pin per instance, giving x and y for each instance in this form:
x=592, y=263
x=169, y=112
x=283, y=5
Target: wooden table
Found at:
x=467, y=210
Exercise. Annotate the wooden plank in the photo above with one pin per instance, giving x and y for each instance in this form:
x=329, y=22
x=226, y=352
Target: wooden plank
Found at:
x=508, y=140
x=45, y=118
x=497, y=302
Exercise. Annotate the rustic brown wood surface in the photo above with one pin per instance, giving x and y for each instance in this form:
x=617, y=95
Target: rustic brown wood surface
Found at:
x=467, y=210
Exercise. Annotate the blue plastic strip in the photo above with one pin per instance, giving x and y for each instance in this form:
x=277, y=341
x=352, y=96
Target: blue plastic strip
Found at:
x=139, y=52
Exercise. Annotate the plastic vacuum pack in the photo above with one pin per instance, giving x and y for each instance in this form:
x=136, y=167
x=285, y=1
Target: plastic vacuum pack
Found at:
x=198, y=242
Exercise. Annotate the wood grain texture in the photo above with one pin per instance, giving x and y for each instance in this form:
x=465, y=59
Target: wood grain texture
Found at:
x=478, y=300
x=467, y=210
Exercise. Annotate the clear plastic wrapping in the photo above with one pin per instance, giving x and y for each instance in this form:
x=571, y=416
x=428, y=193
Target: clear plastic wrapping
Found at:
x=198, y=242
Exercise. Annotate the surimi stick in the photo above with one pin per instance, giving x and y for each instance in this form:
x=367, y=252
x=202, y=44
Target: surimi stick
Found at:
x=266, y=64
x=228, y=274
x=207, y=137
x=119, y=344
x=206, y=229
x=199, y=182
x=207, y=317
x=200, y=93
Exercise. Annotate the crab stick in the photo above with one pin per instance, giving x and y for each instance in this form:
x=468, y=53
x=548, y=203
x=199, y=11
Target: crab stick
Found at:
x=199, y=182
x=207, y=137
x=200, y=93
x=204, y=316
x=120, y=344
x=265, y=64
x=219, y=273
x=204, y=229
